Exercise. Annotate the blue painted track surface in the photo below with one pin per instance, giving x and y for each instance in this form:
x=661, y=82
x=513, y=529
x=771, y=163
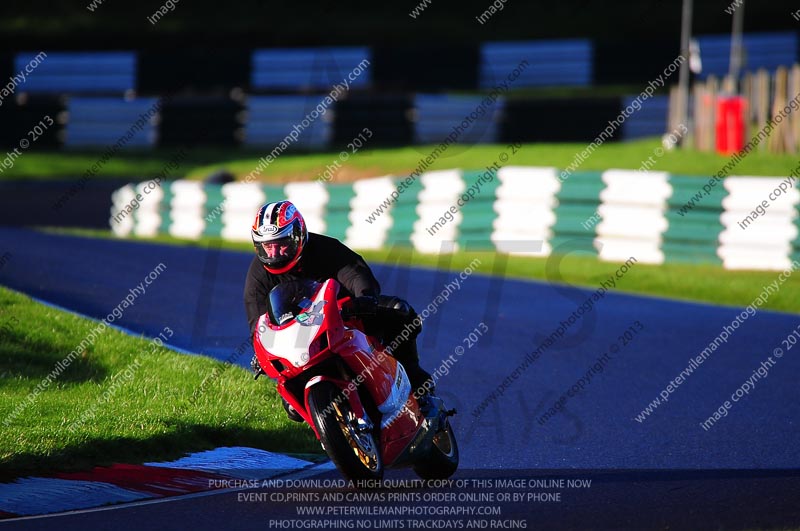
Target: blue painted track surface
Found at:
x=199, y=296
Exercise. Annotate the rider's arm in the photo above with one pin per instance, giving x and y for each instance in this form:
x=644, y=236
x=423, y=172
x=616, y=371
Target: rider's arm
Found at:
x=357, y=277
x=256, y=293
x=333, y=259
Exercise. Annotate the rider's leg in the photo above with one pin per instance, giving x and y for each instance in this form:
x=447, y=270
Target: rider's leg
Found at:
x=400, y=326
x=421, y=381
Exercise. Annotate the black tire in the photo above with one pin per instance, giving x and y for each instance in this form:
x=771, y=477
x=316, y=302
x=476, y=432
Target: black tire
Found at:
x=356, y=455
x=442, y=460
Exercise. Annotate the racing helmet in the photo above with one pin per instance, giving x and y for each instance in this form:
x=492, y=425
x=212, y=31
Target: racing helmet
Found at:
x=279, y=235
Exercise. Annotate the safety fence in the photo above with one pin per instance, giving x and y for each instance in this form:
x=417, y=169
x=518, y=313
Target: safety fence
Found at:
x=740, y=222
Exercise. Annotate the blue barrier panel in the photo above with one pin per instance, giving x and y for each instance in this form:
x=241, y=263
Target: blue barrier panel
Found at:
x=304, y=68
x=761, y=50
x=438, y=114
x=554, y=62
x=78, y=72
x=272, y=118
x=99, y=122
x=650, y=120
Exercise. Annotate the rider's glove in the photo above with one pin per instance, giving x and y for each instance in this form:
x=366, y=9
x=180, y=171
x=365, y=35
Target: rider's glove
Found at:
x=256, y=368
x=359, y=306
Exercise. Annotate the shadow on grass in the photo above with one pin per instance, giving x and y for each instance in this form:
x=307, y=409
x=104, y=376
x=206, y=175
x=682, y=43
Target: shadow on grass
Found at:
x=33, y=359
x=183, y=439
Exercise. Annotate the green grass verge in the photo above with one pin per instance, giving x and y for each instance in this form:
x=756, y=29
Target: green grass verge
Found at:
x=141, y=415
x=690, y=282
x=133, y=164
x=398, y=161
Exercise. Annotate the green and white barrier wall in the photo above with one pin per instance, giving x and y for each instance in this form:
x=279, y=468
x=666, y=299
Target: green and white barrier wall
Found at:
x=615, y=214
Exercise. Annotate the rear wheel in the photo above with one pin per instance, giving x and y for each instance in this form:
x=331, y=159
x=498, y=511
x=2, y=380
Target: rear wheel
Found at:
x=442, y=459
x=348, y=441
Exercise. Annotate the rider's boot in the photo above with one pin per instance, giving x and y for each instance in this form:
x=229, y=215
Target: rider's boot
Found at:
x=291, y=412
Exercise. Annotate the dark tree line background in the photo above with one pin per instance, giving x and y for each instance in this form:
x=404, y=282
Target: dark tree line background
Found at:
x=122, y=24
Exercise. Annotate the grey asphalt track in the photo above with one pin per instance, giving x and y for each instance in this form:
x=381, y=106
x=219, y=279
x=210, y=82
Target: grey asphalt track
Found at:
x=666, y=466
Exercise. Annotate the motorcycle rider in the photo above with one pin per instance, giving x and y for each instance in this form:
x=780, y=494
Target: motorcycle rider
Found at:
x=286, y=251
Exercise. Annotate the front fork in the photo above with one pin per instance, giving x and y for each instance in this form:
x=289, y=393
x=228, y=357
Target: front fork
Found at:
x=361, y=420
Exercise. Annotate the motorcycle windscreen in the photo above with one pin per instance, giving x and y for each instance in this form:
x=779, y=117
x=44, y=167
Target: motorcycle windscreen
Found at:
x=291, y=299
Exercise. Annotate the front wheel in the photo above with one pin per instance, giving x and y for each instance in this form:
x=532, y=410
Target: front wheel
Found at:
x=442, y=459
x=347, y=440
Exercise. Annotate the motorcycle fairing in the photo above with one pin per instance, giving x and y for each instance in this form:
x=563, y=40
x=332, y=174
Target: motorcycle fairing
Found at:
x=293, y=340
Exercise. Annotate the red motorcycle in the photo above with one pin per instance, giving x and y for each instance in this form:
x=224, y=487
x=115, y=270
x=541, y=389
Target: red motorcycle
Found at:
x=356, y=397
